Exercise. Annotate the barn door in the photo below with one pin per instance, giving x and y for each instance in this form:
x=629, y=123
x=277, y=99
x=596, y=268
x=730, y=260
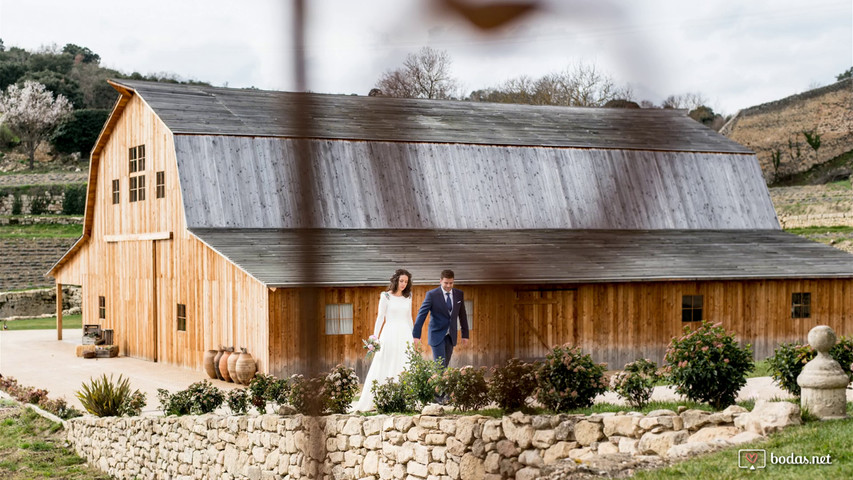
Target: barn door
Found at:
x=543, y=319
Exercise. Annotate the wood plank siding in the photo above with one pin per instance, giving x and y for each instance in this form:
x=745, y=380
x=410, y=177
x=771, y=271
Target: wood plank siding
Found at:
x=616, y=322
x=143, y=273
x=242, y=182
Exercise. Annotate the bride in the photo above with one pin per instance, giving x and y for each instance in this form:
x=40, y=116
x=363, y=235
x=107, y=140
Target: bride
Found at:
x=395, y=312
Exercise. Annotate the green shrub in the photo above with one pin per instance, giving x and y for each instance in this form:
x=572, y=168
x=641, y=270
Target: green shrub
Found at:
x=341, y=386
x=103, y=398
x=417, y=376
x=308, y=396
x=512, y=384
x=392, y=397
x=79, y=131
x=788, y=360
x=637, y=382
x=17, y=205
x=569, y=379
x=465, y=388
x=707, y=365
x=75, y=199
x=178, y=403
x=277, y=391
x=258, y=387
x=8, y=139
x=60, y=408
x=238, y=401
x=38, y=204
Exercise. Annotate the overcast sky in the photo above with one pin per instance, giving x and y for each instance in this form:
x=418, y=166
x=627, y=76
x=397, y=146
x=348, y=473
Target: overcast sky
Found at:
x=737, y=53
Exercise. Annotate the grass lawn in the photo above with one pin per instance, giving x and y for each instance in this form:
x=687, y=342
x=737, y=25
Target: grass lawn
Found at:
x=41, y=231
x=833, y=438
x=32, y=447
x=49, y=323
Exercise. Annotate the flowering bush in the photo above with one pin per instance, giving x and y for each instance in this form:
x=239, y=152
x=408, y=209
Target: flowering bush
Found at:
x=238, y=401
x=788, y=361
x=569, y=379
x=417, y=376
x=199, y=398
x=277, y=391
x=258, y=388
x=637, y=382
x=371, y=345
x=58, y=407
x=341, y=387
x=707, y=365
x=465, y=388
x=512, y=384
x=392, y=397
x=308, y=395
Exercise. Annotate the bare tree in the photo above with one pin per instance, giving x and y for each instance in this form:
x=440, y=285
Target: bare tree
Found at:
x=689, y=101
x=425, y=74
x=31, y=112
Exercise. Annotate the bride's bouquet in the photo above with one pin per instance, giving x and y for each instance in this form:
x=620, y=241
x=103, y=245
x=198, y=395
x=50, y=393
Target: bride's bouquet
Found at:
x=371, y=345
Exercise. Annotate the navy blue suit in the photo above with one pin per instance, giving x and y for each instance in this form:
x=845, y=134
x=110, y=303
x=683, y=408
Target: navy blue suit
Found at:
x=442, y=335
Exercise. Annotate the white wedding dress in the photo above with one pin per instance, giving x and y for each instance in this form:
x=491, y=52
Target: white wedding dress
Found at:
x=390, y=360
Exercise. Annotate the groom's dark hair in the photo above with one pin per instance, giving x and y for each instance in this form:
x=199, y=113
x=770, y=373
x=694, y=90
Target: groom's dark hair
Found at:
x=447, y=274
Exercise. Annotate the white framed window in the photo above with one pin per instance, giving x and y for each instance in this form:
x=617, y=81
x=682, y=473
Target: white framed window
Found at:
x=339, y=319
x=469, y=309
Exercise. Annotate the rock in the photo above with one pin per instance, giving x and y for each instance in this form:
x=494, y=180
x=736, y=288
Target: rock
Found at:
x=433, y=409
x=661, y=413
x=557, y=452
x=769, y=417
x=352, y=427
x=507, y=448
x=588, y=432
x=417, y=469
x=745, y=437
x=607, y=448
x=543, y=438
x=471, y=468
x=427, y=422
x=628, y=445
x=581, y=454
x=491, y=431
x=689, y=449
x=694, y=419
x=622, y=425
x=708, y=434
x=527, y=473
x=660, y=443
x=531, y=458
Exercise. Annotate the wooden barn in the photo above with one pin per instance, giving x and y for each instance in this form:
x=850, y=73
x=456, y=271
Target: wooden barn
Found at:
x=607, y=228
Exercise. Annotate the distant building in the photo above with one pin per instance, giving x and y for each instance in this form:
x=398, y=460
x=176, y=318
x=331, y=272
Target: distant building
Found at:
x=610, y=229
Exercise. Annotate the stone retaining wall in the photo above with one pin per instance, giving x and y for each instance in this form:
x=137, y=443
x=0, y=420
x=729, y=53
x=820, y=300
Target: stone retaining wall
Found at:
x=39, y=303
x=816, y=220
x=427, y=446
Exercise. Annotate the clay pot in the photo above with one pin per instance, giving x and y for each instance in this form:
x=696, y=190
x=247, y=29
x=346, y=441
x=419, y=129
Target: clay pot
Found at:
x=216, y=360
x=246, y=368
x=223, y=364
x=208, y=363
x=232, y=365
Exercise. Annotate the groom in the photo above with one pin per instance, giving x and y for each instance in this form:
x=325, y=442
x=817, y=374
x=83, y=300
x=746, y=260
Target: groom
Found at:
x=444, y=305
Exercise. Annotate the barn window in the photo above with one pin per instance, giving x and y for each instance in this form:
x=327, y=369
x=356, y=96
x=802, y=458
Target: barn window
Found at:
x=102, y=307
x=161, y=185
x=469, y=309
x=801, y=305
x=116, y=197
x=137, y=188
x=339, y=319
x=182, y=317
x=691, y=308
x=136, y=158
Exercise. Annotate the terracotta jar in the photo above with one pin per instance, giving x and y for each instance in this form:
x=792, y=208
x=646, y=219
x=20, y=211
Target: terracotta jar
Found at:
x=208, y=363
x=232, y=365
x=216, y=360
x=246, y=368
x=223, y=364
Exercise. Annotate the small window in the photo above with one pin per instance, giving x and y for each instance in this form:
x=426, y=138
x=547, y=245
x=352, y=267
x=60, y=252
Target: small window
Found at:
x=161, y=185
x=116, y=196
x=469, y=309
x=691, y=308
x=182, y=317
x=339, y=319
x=136, y=158
x=102, y=307
x=801, y=305
x=137, y=188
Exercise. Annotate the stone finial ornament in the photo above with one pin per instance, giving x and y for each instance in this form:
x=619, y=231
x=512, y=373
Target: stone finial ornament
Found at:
x=823, y=382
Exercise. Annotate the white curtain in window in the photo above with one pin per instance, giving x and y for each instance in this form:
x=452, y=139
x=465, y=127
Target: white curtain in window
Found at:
x=339, y=319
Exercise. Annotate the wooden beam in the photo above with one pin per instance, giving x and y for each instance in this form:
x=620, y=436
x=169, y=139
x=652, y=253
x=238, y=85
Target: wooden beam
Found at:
x=58, y=311
x=129, y=237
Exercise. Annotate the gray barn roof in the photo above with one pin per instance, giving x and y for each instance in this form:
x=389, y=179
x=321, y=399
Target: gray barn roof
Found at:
x=368, y=257
x=193, y=109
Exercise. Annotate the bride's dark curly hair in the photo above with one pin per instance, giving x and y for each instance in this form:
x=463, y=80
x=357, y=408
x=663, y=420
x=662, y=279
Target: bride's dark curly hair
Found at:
x=395, y=282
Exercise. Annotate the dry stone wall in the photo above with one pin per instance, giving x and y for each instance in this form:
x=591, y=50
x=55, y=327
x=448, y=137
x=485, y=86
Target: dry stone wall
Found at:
x=828, y=111
x=429, y=446
x=39, y=303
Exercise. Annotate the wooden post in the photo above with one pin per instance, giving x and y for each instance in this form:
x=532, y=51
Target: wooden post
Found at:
x=59, y=311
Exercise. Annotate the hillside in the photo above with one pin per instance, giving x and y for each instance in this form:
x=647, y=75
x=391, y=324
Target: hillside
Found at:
x=777, y=127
